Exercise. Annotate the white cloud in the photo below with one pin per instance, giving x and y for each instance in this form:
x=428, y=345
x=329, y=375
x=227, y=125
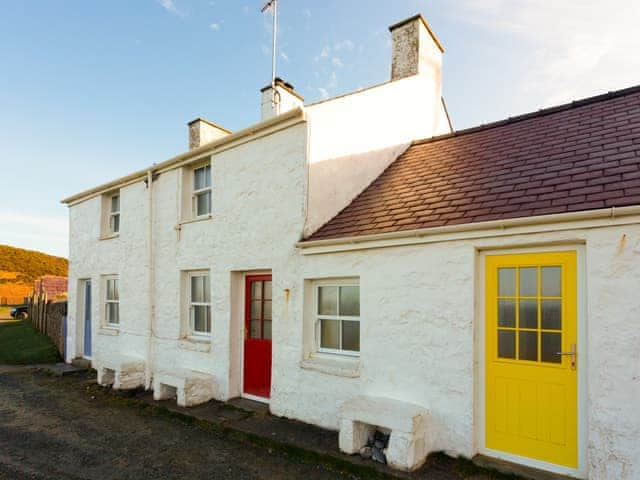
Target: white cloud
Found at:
x=336, y=62
x=284, y=56
x=579, y=48
x=323, y=93
x=326, y=50
x=307, y=13
x=171, y=7
x=215, y=26
x=344, y=45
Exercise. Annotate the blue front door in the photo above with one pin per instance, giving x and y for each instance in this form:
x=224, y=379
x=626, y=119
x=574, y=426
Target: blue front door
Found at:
x=87, y=318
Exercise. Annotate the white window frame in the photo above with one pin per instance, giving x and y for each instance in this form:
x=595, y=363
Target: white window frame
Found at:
x=113, y=214
x=106, y=301
x=195, y=193
x=190, y=304
x=318, y=317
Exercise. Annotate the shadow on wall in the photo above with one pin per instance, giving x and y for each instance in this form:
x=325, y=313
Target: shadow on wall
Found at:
x=335, y=182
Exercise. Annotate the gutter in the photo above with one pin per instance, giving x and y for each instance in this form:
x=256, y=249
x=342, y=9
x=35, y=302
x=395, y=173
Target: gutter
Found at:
x=264, y=128
x=151, y=279
x=447, y=232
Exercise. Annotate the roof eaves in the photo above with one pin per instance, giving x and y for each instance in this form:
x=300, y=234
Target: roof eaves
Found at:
x=209, y=148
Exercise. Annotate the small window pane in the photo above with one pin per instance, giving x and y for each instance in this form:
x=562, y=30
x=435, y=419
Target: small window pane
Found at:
x=198, y=178
x=256, y=290
x=201, y=319
x=197, y=289
x=267, y=330
x=330, y=334
x=552, y=314
x=256, y=309
x=255, y=329
x=266, y=306
x=351, y=336
x=113, y=314
x=207, y=176
x=551, y=281
x=206, y=288
x=506, y=344
x=115, y=204
x=350, y=301
x=267, y=290
x=551, y=345
x=529, y=282
x=114, y=223
x=528, y=314
x=203, y=203
x=328, y=300
x=507, y=313
x=506, y=282
x=528, y=345
x=112, y=289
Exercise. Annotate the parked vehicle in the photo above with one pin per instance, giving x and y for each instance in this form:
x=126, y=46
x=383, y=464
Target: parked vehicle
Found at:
x=20, y=312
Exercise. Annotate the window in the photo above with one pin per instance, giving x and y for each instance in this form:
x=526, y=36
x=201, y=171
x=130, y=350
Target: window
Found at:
x=110, y=215
x=201, y=198
x=199, y=294
x=114, y=214
x=112, y=302
x=338, y=318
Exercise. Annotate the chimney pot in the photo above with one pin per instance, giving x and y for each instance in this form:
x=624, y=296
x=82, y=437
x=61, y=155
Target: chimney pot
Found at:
x=286, y=99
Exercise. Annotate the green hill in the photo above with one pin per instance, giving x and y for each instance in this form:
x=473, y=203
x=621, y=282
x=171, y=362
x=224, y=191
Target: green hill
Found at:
x=29, y=265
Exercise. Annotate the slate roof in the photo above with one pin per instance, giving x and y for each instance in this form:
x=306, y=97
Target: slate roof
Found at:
x=580, y=156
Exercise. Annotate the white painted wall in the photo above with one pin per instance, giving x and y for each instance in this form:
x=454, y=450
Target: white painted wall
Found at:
x=257, y=217
x=417, y=340
x=353, y=138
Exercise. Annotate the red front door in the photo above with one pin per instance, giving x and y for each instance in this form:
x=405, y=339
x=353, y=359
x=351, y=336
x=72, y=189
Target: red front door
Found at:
x=257, y=336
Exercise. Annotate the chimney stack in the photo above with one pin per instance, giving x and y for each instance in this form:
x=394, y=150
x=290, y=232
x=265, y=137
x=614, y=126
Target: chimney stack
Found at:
x=286, y=99
x=202, y=131
x=415, y=49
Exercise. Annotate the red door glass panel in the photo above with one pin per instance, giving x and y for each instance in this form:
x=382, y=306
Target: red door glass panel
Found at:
x=257, y=335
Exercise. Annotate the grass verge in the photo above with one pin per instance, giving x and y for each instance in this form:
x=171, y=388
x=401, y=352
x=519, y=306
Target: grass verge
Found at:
x=21, y=344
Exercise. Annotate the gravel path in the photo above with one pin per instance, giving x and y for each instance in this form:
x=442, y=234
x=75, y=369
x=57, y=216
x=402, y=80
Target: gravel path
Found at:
x=53, y=428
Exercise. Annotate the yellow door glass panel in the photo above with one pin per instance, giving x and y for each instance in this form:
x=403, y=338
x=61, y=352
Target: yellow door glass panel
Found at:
x=531, y=390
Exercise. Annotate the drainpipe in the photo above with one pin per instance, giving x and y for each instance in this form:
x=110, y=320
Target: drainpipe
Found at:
x=151, y=279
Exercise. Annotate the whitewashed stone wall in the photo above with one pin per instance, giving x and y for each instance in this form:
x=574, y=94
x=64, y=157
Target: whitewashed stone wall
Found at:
x=419, y=340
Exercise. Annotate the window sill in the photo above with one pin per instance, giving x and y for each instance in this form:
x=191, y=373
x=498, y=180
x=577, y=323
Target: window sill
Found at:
x=195, y=220
x=110, y=236
x=109, y=331
x=195, y=344
x=336, y=365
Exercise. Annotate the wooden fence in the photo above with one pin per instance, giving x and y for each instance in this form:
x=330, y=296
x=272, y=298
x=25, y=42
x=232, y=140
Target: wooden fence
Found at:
x=49, y=318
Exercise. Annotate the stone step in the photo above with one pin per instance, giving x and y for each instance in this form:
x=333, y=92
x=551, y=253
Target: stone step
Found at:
x=522, y=471
x=81, y=363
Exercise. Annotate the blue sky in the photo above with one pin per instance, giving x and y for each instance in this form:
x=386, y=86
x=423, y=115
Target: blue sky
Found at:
x=90, y=91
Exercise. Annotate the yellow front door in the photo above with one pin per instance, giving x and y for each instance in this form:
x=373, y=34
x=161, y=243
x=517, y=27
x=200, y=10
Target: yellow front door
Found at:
x=531, y=361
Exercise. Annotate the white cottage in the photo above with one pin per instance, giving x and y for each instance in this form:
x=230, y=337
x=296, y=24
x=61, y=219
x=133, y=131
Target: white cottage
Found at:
x=473, y=292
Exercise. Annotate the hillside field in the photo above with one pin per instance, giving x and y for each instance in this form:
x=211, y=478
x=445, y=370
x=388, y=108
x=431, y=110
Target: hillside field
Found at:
x=19, y=268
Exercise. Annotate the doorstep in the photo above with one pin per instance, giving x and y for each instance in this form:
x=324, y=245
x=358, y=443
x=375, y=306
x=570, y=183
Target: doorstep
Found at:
x=511, y=468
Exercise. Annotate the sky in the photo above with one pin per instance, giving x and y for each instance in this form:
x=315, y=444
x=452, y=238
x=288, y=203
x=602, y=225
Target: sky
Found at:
x=91, y=91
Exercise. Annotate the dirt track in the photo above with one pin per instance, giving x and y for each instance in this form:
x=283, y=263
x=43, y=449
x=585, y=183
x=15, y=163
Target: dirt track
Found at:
x=52, y=428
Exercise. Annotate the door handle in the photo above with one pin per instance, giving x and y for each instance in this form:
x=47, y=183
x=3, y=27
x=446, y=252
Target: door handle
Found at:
x=573, y=353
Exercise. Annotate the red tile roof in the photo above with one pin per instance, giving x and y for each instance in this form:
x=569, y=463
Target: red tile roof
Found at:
x=580, y=156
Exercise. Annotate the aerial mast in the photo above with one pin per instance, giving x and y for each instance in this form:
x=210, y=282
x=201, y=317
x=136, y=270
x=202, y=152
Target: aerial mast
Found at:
x=272, y=5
